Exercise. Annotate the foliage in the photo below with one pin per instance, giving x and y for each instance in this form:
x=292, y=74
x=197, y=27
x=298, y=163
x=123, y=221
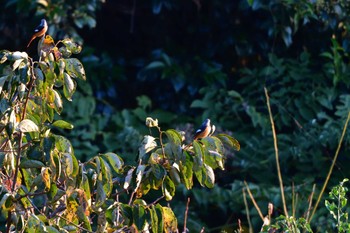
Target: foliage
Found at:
x=336, y=206
x=65, y=17
x=182, y=61
x=46, y=189
x=290, y=224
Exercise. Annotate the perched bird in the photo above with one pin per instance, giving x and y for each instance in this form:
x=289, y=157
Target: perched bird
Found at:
x=39, y=31
x=203, y=131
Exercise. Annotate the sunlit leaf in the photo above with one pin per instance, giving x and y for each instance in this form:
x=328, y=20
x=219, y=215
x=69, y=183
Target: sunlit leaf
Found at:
x=128, y=178
x=27, y=125
x=69, y=86
x=58, y=102
x=114, y=160
x=168, y=188
x=75, y=69
x=73, y=47
x=46, y=177
x=67, y=164
x=169, y=219
x=209, y=176
x=63, y=144
x=148, y=144
x=6, y=202
x=62, y=124
x=139, y=174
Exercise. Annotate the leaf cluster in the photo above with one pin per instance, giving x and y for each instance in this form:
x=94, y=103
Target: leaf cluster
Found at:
x=45, y=188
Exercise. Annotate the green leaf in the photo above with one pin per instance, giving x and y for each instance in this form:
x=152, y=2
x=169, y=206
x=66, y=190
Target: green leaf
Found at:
x=186, y=171
x=69, y=86
x=70, y=45
x=199, y=104
x=27, y=125
x=63, y=144
x=75, y=69
x=58, y=106
x=168, y=189
x=229, y=141
x=214, y=150
x=6, y=201
x=51, y=229
x=83, y=218
x=157, y=218
x=29, y=163
x=104, y=181
x=174, y=137
x=209, y=176
x=114, y=160
x=127, y=213
x=69, y=164
x=198, y=156
x=139, y=216
x=62, y=124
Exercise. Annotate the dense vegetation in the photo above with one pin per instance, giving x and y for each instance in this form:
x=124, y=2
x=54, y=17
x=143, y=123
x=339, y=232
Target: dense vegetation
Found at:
x=183, y=61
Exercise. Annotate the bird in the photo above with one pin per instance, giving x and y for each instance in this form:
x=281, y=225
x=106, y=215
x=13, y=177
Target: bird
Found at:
x=39, y=31
x=203, y=131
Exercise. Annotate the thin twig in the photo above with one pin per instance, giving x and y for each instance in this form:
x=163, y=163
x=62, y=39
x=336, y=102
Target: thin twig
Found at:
x=155, y=201
x=254, y=202
x=310, y=202
x=186, y=214
x=331, y=168
x=293, y=200
x=247, y=210
x=276, y=154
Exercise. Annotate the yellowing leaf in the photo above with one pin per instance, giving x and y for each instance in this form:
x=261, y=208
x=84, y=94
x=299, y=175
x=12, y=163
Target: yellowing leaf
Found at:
x=169, y=219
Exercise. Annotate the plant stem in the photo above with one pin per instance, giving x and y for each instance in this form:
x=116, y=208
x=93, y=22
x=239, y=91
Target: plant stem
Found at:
x=332, y=166
x=247, y=210
x=186, y=214
x=254, y=202
x=276, y=153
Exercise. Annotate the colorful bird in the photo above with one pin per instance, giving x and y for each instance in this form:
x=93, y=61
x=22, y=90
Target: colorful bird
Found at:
x=39, y=31
x=203, y=131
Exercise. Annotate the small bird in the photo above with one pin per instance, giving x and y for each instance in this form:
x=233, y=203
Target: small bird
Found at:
x=203, y=131
x=39, y=31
